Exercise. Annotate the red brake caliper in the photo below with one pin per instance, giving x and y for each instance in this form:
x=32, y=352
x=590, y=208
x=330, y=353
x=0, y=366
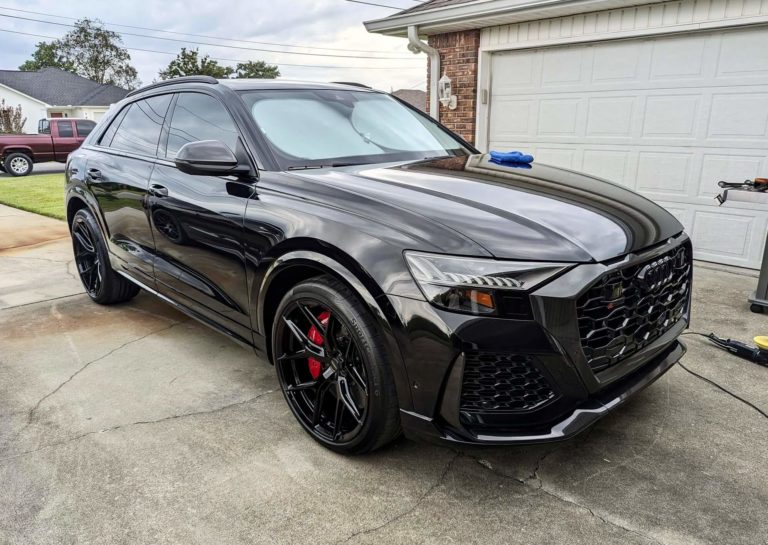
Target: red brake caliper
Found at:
x=315, y=367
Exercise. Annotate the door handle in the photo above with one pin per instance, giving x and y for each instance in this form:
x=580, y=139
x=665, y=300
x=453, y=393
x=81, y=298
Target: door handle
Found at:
x=158, y=190
x=94, y=174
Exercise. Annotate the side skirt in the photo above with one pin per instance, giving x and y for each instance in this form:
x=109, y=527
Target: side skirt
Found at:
x=191, y=313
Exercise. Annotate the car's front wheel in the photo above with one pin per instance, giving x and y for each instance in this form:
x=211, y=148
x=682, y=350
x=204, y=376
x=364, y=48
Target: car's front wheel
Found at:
x=334, y=368
x=18, y=164
x=101, y=282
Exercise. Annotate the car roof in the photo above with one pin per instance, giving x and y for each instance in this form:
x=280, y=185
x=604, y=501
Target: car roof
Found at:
x=254, y=84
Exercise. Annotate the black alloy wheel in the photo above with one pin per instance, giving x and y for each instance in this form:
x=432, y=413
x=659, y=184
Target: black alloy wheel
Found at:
x=87, y=259
x=330, y=371
x=102, y=284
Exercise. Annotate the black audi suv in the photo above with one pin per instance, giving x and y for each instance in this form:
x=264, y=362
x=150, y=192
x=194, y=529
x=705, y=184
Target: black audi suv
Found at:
x=397, y=279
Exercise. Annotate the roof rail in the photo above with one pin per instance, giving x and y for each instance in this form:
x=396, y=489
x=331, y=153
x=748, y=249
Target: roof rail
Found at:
x=183, y=79
x=353, y=84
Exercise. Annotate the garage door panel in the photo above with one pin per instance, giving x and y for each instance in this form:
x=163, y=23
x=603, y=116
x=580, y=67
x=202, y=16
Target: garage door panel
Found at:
x=664, y=174
x=618, y=62
x=679, y=57
x=739, y=116
x=722, y=234
x=562, y=66
x=731, y=167
x=559, y=157
x=744, y=54
x=671, y=116
x=610, y=165
x=610, y=116
x=668, y=116
x=558, y=117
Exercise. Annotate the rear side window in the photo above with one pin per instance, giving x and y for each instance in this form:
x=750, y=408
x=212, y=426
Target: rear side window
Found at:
x=65, y=129
x=139, y=131
x=84, y=128
x=199, y=117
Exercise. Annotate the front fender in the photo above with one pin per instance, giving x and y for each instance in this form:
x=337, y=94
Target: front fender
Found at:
x=379, y=306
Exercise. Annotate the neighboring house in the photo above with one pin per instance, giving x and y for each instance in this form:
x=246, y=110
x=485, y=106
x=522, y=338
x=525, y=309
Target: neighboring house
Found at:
x=51, y=92
x=414, y=97
x=665, y=97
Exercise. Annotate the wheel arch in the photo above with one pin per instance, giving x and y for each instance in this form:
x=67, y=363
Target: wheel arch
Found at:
x=296, y=265
x=18, y=149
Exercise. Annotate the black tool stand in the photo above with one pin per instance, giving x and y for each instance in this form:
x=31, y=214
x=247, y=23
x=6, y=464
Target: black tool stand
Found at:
x=758, y=301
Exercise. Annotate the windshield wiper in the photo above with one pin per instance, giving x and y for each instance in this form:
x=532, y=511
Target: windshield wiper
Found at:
x=330, y=165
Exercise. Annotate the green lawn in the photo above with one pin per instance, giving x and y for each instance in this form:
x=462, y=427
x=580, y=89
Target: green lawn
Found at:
x=42, y=194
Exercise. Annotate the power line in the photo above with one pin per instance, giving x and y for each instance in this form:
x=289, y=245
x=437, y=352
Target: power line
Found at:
x=374, y=4
x=200, y=35
x=236, y=60
x=18, y=17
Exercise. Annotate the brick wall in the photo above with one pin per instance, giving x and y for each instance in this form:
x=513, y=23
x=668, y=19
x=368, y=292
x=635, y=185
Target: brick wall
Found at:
x=458, y=59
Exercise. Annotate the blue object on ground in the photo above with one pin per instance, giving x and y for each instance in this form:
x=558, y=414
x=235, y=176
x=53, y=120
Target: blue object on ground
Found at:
x=510, y=157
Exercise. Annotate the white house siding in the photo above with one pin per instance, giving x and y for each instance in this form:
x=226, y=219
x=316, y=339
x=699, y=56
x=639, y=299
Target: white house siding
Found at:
x=32, y=109
x=90, y=112
x=674, y=106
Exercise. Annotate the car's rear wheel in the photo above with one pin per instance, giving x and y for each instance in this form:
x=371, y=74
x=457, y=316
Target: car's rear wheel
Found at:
x=18, y=164
x=334, y=368
x=101, y=282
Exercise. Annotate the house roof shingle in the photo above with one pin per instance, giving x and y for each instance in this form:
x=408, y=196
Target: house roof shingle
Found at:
x=60, y=88
x=433, y=4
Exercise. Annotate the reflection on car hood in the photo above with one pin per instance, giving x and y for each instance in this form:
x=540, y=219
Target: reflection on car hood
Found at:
x=531, y=212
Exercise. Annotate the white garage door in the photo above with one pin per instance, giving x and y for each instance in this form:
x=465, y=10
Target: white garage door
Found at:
x=666, y=116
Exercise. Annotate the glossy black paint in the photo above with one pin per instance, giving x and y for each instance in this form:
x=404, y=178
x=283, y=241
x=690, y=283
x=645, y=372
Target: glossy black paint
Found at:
x=225, y=248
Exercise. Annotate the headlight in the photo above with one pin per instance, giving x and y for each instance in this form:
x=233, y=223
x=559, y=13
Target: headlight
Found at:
x=475, y=285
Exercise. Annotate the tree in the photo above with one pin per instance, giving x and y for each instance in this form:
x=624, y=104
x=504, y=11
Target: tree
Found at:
x=189, y=63
x=256, y=69
x=11, y=120
x=47, y=55
x=91, y=51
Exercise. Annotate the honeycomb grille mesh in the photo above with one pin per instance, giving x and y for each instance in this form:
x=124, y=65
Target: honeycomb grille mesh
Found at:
x=503, y=383
x=621, y=313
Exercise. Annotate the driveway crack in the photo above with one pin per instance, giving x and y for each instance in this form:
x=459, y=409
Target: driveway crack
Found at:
x=33, y=410
x=138, y=423
x=417, y=503
x=535, y=478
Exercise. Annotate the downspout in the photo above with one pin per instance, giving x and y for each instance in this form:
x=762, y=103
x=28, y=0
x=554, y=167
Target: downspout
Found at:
x=415, y=45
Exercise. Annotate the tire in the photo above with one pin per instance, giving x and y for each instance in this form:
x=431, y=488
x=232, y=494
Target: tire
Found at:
x=757, y=309
x=2, y=168
x=353, y=375
x=18, y=164
x=102, y=284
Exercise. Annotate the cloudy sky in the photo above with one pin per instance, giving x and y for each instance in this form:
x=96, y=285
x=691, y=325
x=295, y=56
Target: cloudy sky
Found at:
x=328, y=33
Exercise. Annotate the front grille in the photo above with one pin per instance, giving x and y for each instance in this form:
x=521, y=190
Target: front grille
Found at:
x=630, y=308
x=496, y=382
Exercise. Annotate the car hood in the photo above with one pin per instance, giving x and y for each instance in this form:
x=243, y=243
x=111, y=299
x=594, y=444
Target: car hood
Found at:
x=530, y=212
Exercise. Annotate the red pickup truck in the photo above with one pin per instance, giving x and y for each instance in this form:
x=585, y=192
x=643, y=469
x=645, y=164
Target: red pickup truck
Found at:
x=56, y=139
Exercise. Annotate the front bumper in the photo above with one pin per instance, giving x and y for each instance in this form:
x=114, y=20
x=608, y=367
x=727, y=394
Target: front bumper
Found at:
x=495, y=380
x=586, y=414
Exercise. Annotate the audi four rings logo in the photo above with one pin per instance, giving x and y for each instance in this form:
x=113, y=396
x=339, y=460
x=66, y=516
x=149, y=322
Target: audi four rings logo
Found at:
x=656, y=274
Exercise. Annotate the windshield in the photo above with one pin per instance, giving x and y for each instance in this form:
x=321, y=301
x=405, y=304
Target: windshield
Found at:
x=322, y=127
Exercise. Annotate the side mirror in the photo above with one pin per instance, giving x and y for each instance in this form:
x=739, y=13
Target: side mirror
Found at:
x=208, y=158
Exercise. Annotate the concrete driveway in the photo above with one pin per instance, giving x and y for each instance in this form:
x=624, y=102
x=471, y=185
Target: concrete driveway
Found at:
x=132, y=424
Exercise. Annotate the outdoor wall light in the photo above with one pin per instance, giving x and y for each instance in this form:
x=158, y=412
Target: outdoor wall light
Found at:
x=444, y=92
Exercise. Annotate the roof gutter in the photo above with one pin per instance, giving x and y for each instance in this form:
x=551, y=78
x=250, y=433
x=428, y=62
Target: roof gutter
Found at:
x=416, y=46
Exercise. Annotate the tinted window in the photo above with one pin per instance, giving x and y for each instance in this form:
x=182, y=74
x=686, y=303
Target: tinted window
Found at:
x=199, y=117
x=84, y=128
x=140, y=129
x=65, y=129
x=109, y=134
